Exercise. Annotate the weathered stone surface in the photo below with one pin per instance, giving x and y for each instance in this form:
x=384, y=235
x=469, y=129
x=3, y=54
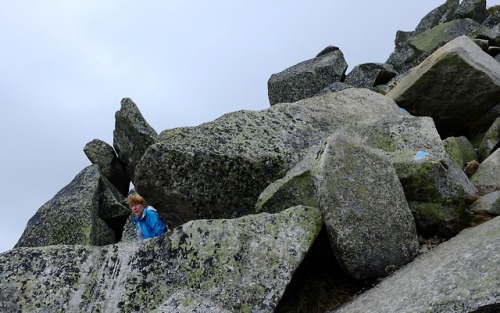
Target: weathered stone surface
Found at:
x=338, y=86
x=490, y=141
x=436, y=189
x=460, y=275
x=428, y=41
x=72, y=216
x=364, y=206
x=362, y=201
x=186, y=301
x=442, y=14
x=473, y=9
x=103, y=154
x=240, y=265
x=460, y=150
x=486, y=178
x=404, y=55
x=489, y=203
x=218, y=169
x=132, y=135
x=306, y=78
x=460, y=63
x=368, y=75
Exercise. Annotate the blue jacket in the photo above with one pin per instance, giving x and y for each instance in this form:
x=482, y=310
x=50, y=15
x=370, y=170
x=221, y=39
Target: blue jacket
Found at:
x=150, y=223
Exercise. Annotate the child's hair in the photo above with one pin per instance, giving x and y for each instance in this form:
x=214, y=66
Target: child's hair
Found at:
x=135, y=198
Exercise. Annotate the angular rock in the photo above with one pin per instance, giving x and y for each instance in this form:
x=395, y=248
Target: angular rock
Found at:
x=426, y=89
x=460, y=150
x=306, y=78
x=473, y=9
x=428, y=41
x=369, y=75
x=369, y=223
x=132, y=135
x=489, y=203
x=437, y=190
x=404, y=55
x=486, y=178
x=442, y=14
x=186, y=301
x=492, y=22
x=356, y=188
x=338, y=86
x=71, y=217
x=459, y=275
x=490, y=141
x=241, y=265
x=102, y=154
x=218, y=169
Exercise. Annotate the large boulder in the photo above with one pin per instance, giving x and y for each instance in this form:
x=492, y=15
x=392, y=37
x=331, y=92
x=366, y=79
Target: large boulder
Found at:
x=103, y=154
x=486, y=178
x=404, y=55
x=490, y=141
x=460, y=150
x=240, y=265
x=474, y=75
x=437, y=190
x=76, y=214
x=369, y=223
x=132, y=135
x=218, y=169
x=369, y=75
x=307, y=78
x=460, y=275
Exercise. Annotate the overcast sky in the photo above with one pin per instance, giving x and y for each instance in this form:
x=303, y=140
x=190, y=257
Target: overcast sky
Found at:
x=65, y=66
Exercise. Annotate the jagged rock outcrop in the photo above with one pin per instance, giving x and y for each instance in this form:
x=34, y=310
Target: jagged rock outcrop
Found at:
x=88, y=211
x=487, y=178
x=218, y=169
x=132, y=135
x=460, y=275
x=346, y=160
x=369, y=75
x=490, y=141
x=307, y=78
x=102, y=154
x=369, y=223
x=460, y=150
x=489, y=203
x=240, y=265
x=460, y=63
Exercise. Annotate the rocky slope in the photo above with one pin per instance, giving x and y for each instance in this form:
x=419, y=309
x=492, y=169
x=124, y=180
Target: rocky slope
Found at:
x=345, y=180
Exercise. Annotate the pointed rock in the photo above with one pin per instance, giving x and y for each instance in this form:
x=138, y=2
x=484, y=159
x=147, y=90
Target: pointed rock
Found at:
x=71, y=217
x=132, y=135
x=241, y=265
x=102, y=154
x=307, y=78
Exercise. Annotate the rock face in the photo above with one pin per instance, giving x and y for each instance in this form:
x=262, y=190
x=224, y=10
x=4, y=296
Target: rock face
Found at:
x=218, y=169
x=330, y=186
x=132, y=135
x=307, y=78
x=461, y=63
x=72, y=216
x=215, y=259
x=461, y=275
x=111, y=167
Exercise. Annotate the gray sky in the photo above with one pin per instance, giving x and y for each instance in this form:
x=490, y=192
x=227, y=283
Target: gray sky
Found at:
x=65, y=66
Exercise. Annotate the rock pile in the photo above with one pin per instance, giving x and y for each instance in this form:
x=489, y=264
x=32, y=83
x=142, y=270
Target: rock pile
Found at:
x=357, y=171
